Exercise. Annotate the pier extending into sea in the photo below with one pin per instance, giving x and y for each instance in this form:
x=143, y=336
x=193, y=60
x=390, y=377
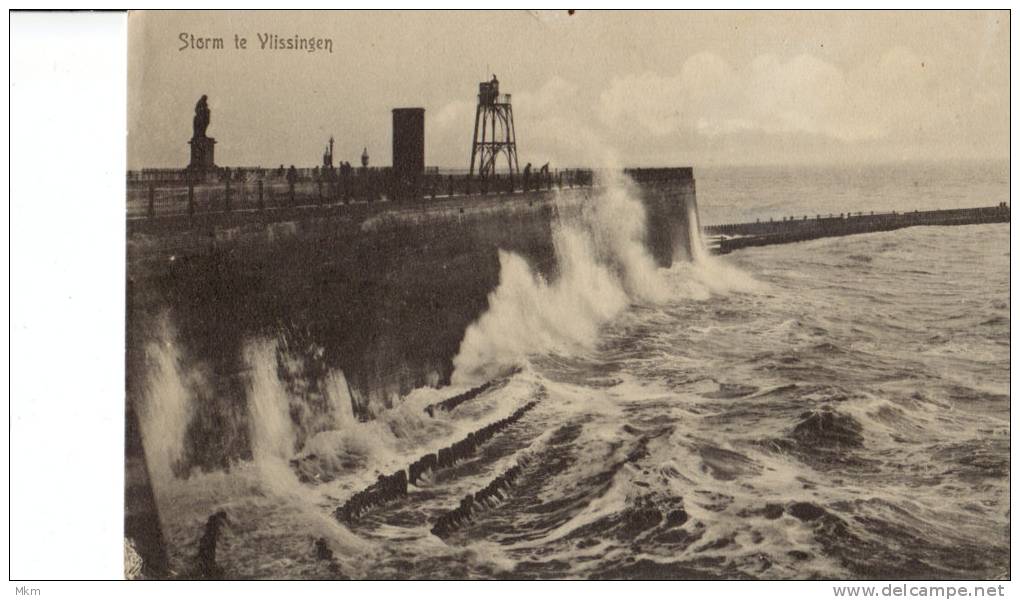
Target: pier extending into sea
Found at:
x=723, y=239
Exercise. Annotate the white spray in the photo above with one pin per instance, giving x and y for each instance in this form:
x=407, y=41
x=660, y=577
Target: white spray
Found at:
x=338, y=393
x=706, y=274
x=698, y=250
x=272, y=431
x=166, y=409
x=603, y=267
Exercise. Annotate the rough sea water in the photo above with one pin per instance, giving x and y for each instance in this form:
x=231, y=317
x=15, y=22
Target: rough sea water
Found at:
x=829, y=409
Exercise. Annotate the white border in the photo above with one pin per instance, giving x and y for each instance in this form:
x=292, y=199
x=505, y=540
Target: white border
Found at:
x=68, y=127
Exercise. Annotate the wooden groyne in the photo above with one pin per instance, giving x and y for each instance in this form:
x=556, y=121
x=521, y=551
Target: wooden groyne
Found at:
x=472, y=504
x=393, y=487
x=726, y=238
x=455, y=401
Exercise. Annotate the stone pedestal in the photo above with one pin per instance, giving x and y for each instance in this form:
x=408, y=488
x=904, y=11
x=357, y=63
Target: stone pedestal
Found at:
x=202, y=150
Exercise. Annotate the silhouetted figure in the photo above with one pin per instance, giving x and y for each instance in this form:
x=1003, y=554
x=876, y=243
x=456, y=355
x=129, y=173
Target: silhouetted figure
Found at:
x=322, y=550
x=202, y=115
x=327, y=156
x=292, y=178
x=206, y=559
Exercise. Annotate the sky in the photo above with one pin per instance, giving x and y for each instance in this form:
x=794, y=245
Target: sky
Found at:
x=708, y=88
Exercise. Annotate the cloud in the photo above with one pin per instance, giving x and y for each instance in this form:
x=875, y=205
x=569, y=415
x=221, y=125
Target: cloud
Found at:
x=894, y=96
x=895, y=103
x=559, y=129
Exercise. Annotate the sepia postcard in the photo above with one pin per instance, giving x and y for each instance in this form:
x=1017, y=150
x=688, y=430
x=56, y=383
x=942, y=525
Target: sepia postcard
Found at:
x=519, y=295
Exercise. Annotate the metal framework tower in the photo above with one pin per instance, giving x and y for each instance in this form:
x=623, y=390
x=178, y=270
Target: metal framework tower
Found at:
x=494, y=131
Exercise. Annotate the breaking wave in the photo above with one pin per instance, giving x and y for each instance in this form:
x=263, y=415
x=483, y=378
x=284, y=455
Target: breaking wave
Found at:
x=166, y=408
x=603, y=267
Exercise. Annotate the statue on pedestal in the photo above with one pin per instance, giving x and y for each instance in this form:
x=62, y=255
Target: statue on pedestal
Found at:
x=202, y=146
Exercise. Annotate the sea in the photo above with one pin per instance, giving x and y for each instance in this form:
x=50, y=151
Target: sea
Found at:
x=830, y=409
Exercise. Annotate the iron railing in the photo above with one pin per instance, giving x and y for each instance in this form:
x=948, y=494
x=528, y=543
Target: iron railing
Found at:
x=166, y=192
